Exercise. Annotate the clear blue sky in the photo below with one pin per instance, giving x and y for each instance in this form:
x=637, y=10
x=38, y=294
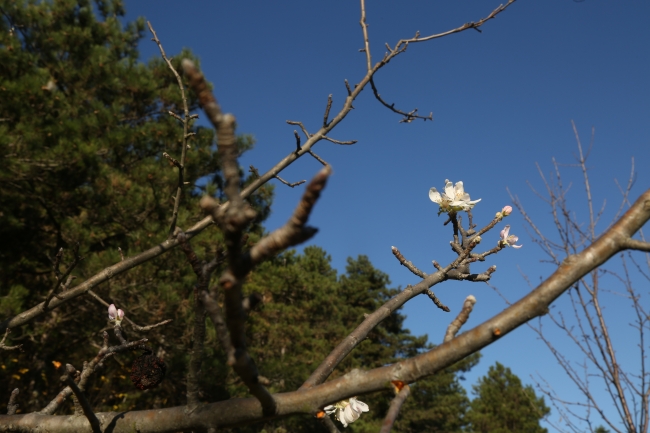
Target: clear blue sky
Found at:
x=502, y=101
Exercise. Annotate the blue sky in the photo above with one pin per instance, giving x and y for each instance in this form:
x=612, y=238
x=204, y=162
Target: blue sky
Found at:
x=502, y=101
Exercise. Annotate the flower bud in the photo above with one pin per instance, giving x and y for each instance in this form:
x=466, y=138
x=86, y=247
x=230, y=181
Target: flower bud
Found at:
x=115, y=315
x=507, y=210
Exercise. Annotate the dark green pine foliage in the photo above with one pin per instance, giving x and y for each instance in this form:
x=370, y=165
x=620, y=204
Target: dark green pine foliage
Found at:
x=83, y=125
x=503, y=405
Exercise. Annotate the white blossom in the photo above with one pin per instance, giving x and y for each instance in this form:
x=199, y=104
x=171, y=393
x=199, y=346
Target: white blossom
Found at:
x=347, y=411
x=508, y=240
x=454, y=198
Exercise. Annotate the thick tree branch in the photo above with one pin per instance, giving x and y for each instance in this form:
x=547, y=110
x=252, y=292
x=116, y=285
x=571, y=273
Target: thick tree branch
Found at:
x=295, y=231
x=232, y=219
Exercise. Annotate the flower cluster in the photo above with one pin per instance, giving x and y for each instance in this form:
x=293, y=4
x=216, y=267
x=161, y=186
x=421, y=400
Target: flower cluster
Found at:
x=454, y=198
x=508, y=240
x=115, y=315
x=347, y=411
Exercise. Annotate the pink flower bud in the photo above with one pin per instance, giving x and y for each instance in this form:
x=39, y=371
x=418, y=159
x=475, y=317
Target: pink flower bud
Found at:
x=507, y=210
x=112, y=312
x=120, y=315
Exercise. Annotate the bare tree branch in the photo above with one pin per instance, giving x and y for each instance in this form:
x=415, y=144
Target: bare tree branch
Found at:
x=407, y=264
x=4, y=347
x=461, y=319
x=402, y=391
x=12, y=406
x=186, y=119
x=81, y=398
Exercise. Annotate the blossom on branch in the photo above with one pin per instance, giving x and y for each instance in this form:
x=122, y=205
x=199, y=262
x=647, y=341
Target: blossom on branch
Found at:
x=508, y=240
x=115, y=315
x=454, y=198
x=347, y=411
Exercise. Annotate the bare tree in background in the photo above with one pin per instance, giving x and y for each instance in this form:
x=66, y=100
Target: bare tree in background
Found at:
x=230, y=321
x=583, y=315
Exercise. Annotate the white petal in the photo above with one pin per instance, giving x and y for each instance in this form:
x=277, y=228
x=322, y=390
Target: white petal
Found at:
x=435, y=196
x=504, y=233
x=460, y=190
x=358, y=406
x=449, y=190
x=516, y=246
x=329, y=409
x=472, y=202
x=349, y=416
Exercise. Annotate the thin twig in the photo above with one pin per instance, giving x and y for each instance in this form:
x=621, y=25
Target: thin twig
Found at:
x=403, y=392
x=318, y=158
x=60, y=278
x=408, y=117
x=295, y=133
x=2, y=343
x=366, y=40
x=327, y=110
x=436, y=301
x=407, y=264
x=292, y=185
x=186, y=133
x=339, y=141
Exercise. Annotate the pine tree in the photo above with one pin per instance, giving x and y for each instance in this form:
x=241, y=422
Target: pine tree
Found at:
x=503, y=405
x=83, y=126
